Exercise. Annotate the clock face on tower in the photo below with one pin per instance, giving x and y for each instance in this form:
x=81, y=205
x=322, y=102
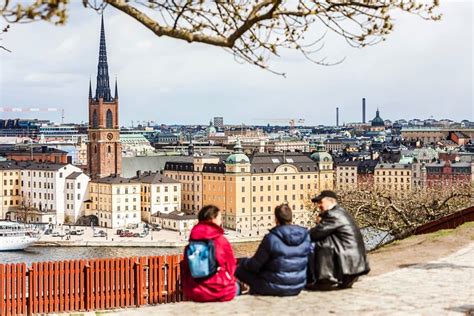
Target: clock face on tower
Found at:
x=110, y=136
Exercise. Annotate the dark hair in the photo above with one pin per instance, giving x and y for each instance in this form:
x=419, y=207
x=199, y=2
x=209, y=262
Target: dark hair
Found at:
x=283, y=214
x=208, y=213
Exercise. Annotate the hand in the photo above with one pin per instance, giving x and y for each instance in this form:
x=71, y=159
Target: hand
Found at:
x=317, y=220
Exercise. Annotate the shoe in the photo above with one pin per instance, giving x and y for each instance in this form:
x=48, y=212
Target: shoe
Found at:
x=348, y=281
x=244, y=288
x=322, y=286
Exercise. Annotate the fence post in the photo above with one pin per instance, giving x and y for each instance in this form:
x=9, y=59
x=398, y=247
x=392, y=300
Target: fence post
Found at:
x=87, y=286
x=140, y=281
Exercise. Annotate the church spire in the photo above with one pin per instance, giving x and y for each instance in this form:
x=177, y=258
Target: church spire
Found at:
x=103, y=88
x=116, y=89
x=90, y=89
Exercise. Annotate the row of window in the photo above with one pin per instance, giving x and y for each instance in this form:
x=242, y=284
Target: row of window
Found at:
x=72, y=185
x=11, y=182
x=5, y=192
x=395, y=180
x=71, y=196
x=146, y=199
x=12, y=202
x=45, y=174
x=158, y=189
x=395, y=173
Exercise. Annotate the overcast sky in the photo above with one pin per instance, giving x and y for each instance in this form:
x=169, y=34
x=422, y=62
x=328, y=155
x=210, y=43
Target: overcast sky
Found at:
x=423, y=70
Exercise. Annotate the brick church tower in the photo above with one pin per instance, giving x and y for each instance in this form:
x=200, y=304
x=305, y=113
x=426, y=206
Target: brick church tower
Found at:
x=104, y=150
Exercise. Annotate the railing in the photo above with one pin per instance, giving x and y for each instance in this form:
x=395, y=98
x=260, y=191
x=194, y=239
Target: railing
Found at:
x=448, y=222
x=86, y=285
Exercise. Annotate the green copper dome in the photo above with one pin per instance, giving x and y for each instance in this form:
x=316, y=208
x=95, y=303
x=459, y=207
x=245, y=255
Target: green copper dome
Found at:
x=378, y=121
x=238, y=156
x=320, y=154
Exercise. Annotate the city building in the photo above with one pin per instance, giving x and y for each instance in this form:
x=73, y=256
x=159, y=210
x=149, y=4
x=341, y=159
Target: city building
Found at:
x=176, y=220
x=219, y=122
x=158, y=195
x=393, y=178
x=346, y=175
x=448, y=173
x=104, y=149
x=33, y=152
x=428, y=135
x=135, y=145
x=76, y=193
x=248, y=189
x=377, y=124
x=116, y=201
x=10, y=197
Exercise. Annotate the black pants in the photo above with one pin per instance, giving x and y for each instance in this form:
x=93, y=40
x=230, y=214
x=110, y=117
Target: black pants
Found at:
x=254, y=281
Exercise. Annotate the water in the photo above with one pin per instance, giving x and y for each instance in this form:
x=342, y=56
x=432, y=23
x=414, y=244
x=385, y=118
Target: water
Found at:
x=38, y=254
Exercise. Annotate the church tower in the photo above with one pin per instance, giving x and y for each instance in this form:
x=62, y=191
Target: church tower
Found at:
x=104, y=150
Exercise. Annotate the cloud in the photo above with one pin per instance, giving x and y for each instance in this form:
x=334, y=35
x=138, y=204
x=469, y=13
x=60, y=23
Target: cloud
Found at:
x=424, y=68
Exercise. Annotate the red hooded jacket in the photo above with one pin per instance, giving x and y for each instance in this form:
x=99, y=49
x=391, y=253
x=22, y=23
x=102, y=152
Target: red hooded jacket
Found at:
x=221, y=286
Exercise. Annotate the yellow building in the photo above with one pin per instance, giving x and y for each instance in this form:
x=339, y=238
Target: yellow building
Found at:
x=393, y=177
x=346, y=175
x=248, y=189
x=189, y=173
x=10, y=187
x=115, y=201
x=158, y=195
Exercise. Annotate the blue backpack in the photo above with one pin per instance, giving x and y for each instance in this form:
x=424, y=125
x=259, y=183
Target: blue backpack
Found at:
x=201, y=255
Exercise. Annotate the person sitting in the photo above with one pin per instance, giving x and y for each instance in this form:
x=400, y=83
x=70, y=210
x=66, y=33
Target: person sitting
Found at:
x=279, y=265
x=339, y=256
x=209, y=264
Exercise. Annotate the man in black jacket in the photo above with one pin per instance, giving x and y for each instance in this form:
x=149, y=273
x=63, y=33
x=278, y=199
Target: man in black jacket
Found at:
x=339, y=256
x=279, y=265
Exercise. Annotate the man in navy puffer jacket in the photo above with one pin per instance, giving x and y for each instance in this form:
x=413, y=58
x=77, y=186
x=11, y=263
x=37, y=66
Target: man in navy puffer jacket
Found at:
x=279, y=266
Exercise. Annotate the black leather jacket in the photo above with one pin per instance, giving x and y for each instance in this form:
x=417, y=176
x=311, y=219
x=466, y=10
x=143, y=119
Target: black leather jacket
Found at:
x=339, y=245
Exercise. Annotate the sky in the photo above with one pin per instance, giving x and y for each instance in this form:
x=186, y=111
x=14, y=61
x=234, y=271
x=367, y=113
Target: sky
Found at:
x=424, y=69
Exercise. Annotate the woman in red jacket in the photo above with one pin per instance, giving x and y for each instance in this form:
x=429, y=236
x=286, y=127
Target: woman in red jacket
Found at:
x=221, y=286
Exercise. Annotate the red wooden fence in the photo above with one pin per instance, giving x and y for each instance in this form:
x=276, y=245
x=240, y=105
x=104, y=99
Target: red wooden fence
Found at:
x=86, y=285
x=448, y=222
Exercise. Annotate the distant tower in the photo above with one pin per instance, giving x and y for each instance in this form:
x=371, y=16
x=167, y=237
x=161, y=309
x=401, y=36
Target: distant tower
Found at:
x=363, y=110
x=337, y=116
x=104, y=150
x=219, y=122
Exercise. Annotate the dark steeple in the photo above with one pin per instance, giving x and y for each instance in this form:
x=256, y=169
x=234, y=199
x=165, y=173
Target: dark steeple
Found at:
x=103, y=87
x=116, y=89
x=90, y=89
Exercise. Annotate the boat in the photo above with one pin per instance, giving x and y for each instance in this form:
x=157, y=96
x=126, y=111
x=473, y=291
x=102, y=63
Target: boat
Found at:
x=16, y=236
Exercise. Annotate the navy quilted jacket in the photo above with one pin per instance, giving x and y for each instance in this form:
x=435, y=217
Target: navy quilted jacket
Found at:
x=281, y=261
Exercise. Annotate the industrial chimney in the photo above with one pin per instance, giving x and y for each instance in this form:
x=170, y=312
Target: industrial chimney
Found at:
x=363, y=110
x=337, y=116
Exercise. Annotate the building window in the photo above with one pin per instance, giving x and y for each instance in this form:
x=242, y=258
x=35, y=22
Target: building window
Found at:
x=95, y=120
x=108, y=123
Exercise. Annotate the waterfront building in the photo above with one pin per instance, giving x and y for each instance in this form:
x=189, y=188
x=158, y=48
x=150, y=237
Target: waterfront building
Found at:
x=115, y=201
x=76, y=193
x=43, y=190
x=248, y=189
x=176, y=220
x=10, y=187
x=158, y=195
x=43, y=187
